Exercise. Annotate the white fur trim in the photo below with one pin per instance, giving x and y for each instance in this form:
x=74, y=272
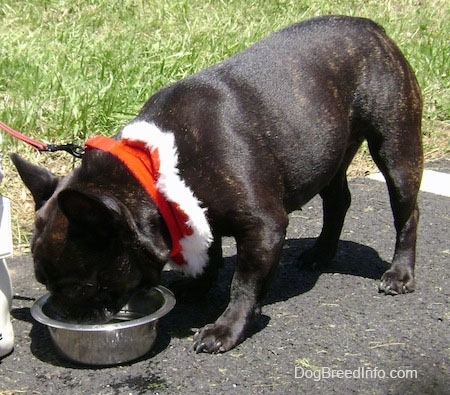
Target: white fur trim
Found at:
x=194, y=247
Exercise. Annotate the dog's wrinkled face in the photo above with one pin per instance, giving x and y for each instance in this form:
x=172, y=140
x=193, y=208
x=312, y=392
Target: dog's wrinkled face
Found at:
x=87, y=248
x=85, y=267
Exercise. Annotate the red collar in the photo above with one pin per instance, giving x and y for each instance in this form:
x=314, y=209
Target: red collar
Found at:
x=145, y=165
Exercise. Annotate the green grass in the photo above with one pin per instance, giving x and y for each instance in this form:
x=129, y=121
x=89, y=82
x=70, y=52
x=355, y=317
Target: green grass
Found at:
x=70, y=69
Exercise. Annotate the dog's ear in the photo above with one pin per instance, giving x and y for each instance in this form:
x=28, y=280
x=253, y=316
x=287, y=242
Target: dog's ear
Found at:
x=39, y=181
x=99, y=215
x=102, y=216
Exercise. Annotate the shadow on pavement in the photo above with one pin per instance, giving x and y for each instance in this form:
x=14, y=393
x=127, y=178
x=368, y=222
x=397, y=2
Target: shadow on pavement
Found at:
x=290, y=281
x=352, y=258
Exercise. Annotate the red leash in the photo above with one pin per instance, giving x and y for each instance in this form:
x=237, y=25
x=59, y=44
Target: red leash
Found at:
x=73, y=149
x=34, y=143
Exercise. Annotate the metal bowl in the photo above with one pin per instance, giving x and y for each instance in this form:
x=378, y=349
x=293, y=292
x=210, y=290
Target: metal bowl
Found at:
x=127, y=336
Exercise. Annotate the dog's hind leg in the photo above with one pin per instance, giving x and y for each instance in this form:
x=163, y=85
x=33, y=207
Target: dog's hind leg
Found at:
x=398, y=154
x=336, y=200
x=403, y=181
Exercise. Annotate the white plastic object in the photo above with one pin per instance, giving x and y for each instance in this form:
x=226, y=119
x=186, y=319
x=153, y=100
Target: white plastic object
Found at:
x=6, y=293
x=6, y=329
x=6, y=246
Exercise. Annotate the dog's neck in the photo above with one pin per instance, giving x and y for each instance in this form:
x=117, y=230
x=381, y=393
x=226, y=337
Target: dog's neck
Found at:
x=151, y=156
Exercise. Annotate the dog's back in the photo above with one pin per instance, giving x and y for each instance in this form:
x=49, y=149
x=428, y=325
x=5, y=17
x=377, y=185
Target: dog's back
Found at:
x=303, y=98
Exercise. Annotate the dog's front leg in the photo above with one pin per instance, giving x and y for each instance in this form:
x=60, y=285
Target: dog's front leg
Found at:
x=258, y=253
x=194, y=289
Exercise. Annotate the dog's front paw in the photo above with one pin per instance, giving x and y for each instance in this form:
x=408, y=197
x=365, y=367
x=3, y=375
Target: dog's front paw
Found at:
x=214, y=338
x=395, y=281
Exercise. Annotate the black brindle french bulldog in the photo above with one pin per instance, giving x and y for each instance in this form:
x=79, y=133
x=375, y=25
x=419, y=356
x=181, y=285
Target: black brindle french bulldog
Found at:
x=257, y=136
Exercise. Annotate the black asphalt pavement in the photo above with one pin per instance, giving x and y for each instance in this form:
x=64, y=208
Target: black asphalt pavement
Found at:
x=325, y=332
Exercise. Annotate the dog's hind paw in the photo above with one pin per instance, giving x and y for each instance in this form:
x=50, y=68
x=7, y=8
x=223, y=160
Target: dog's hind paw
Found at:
x=394, y=282
x=315, y=258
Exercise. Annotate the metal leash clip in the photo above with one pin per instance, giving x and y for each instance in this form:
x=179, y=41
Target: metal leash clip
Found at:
x=76, y=150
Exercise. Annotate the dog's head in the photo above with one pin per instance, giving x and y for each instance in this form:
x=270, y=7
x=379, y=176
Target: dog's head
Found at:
x=98, y=236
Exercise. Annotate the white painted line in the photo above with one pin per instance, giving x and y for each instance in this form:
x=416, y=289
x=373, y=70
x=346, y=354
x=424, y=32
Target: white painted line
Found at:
x=432, y=181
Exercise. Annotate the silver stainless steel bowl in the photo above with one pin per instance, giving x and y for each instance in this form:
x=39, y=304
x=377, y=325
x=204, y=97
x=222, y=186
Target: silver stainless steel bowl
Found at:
x=128, y=336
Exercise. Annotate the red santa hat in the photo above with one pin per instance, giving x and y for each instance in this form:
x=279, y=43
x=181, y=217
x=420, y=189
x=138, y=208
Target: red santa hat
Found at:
x=151, y=156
